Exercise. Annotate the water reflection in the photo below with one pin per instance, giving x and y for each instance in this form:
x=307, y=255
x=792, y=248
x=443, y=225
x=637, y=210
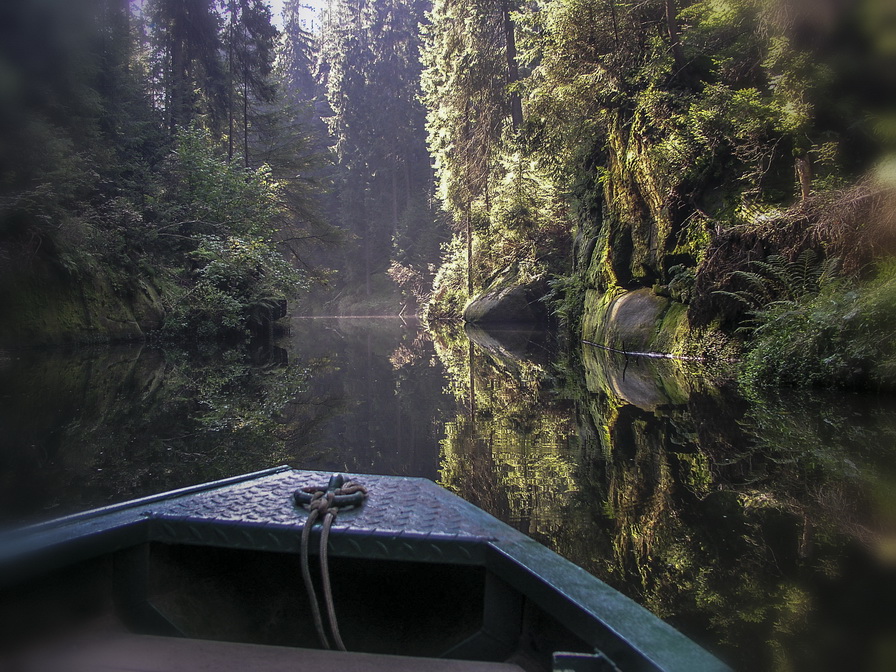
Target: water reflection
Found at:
x=384, y=389
x=763, y=527
x=510, y=447
x=89, y=427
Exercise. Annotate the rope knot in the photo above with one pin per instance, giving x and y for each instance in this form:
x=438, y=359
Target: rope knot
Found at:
x=325, y=504
x=339, y=494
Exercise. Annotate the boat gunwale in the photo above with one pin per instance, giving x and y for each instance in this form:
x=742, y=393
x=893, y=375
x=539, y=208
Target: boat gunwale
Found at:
x=119, y=507
x=587, y=606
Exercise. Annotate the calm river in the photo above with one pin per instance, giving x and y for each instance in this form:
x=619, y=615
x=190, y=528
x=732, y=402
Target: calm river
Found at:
x=762, y=527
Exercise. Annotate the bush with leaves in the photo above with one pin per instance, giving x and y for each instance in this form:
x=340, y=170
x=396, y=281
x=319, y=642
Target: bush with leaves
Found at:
x=838, y=336
x=205, y=194
x=239, y=284
x=221, y=218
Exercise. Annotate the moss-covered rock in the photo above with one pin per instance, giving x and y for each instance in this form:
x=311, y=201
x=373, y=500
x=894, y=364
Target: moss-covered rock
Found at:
x=641, y=321
x=627, y=321
x=44, y=307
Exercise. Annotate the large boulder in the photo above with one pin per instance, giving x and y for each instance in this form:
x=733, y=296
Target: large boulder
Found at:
x=507, y=301
x=625, y=321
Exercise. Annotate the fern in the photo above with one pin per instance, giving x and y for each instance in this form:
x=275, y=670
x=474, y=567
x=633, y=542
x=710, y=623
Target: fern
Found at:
x=778, y=273
x=775, y=284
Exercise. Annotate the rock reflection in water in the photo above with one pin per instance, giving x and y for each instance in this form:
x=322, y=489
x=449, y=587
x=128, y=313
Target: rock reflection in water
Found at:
x=763, y=527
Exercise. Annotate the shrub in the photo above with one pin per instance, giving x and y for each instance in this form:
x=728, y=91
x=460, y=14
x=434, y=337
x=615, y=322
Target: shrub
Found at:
x=840, y=337
x=240, y=281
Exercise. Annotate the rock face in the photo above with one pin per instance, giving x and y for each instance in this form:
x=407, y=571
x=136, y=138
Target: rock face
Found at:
x=42, y=308
x=507, y=302
x=639, y=239
x=631, y=321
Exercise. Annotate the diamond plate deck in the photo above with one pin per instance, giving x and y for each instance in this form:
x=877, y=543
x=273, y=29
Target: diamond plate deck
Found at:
x=403, y=518
x=400, y=506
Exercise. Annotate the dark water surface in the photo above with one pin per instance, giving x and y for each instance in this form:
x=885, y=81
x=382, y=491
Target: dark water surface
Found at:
x=762, y=527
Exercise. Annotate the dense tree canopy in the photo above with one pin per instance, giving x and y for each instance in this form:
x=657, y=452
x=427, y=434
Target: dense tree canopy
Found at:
x=674, y=142
x=370, y=67
x=578, y=148
x=132, y=147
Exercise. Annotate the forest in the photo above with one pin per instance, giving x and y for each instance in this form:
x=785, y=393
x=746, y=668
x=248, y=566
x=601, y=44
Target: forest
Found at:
x=707, y=179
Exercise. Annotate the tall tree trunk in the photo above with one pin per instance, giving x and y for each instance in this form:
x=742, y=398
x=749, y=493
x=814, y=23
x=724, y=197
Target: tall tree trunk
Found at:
x=615, y=23
x=513, y=75
x=230, y=66
x=469, y=228
x=394, y=199
x=804, y=175
x=246, y=115
x=407, y=182
x=177, y=76
x=674, y=40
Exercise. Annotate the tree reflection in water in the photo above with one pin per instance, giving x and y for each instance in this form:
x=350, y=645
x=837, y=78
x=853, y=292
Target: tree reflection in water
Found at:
x=91, y=427
x=763, y=527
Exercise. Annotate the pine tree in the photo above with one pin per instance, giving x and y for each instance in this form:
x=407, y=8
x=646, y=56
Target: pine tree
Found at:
x=470, y=60
x=189, y=80
x=249, y=41
x=370, y=56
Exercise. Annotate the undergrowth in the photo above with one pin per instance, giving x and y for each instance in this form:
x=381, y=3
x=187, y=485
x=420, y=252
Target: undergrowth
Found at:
x=838, y=336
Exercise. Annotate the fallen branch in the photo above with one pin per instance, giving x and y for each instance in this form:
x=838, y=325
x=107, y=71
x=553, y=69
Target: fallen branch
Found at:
x=647, y=355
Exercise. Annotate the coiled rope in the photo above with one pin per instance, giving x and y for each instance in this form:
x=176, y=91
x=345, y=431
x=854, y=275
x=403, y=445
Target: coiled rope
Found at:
x=339, y=494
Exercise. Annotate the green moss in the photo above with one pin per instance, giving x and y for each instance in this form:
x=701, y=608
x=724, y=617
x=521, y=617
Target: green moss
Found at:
x=43, y=308
x=601, y=272
x=594, y=321
x=672, y=332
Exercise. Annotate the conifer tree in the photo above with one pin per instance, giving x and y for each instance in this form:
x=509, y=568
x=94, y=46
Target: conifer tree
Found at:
x=249, y=40
x=189, y=80
x=370, y=62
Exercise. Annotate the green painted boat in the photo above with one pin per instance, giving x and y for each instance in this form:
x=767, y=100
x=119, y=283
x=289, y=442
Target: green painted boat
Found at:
x=239, y=575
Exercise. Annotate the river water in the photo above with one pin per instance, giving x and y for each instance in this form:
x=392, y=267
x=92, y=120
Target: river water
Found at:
x=762, y=526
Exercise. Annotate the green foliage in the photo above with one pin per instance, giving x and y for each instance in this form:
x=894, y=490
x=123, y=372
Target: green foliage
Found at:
x=238, y=285
x=777, y=283
x=369, y=64
x=203, y=193
x=449, y=288
x=110, y=165
x=489, y=178
x=840, y=336
x=566, y=301
x=186, y=73
x=223, y=215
